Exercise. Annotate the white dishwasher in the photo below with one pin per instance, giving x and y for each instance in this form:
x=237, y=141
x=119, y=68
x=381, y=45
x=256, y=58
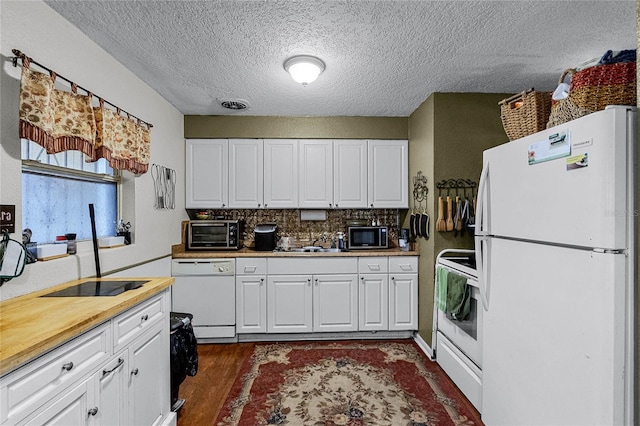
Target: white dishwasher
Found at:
x=206, y=289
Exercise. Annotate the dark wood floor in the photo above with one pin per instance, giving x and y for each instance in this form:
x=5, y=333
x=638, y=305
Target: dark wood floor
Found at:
x=204, y=393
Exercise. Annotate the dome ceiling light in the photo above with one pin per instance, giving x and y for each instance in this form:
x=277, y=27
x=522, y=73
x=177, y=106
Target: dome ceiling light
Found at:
x=304, y=69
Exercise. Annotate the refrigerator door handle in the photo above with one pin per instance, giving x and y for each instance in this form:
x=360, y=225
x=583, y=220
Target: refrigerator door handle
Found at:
x=482, y=262
x=480, y=217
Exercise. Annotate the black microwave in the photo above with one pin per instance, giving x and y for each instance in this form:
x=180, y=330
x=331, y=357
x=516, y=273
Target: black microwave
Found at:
x=367, y=237
x=215, y=235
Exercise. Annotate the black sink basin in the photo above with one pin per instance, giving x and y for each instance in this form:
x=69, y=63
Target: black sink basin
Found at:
x=96, y=288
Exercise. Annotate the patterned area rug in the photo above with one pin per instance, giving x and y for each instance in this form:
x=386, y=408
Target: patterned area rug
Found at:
x=346, y=383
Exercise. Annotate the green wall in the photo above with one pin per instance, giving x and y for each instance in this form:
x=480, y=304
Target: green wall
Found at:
x=225, y=126
x=447, y=135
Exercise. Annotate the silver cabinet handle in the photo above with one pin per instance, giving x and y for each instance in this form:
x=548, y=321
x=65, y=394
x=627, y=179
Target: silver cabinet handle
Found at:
x=106, y=372
x=316, y=282
x=261, y=281
x=309, y=281
x=224, y=205
x=135, y=371
x=93, y=411
x=145, y=317
x=67, y=366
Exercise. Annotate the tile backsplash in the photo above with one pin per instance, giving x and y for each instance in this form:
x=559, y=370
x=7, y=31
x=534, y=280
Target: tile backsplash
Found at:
x=304, y=232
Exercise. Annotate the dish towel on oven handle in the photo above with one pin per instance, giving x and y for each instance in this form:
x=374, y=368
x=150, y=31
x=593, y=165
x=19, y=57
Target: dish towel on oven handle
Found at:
x=453, y=295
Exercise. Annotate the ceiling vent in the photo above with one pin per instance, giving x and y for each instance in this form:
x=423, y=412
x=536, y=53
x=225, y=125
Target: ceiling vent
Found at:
x=234, y=104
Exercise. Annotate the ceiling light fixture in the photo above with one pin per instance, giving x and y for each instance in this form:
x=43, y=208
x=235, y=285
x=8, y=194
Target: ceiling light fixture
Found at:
x=304, y=69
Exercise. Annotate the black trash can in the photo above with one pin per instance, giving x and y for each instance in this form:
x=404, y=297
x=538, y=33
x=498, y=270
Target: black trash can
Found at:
x=184, y=354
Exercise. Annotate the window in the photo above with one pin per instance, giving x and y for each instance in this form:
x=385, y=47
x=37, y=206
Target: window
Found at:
x=57, y=190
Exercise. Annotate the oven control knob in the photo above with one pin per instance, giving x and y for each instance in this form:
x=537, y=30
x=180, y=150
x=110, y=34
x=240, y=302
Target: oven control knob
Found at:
x=220, y=269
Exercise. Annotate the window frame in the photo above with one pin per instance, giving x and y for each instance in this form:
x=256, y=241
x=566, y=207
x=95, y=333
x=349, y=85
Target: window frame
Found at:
x=38, y=167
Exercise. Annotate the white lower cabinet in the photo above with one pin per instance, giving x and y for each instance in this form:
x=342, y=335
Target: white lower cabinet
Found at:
x=373, y=302
x=403, y=293
x=148, y=390
x=289, y=304
x=86, y=382
x=251, y=295
x=111, y=384
x=335, y=302
x=326, y=294
x=71, y=408
x=303, y=297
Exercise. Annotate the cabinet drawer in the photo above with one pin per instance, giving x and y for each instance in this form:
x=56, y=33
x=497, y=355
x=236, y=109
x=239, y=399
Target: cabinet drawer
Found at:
x=251, y=266
x=31, y=386
x=130, y=324
x=403, y=264
x=373, y=265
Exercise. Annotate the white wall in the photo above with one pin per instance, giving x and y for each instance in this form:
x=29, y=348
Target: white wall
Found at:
x=39, y=32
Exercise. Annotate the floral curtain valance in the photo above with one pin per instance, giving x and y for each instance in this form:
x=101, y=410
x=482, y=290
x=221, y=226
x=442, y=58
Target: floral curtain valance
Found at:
x=60, y=121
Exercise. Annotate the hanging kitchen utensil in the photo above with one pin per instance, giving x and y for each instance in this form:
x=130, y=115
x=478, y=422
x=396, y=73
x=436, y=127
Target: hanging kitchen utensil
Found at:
x=412, y=223
x=425, y=227
x=458, y=217
x=13, y=257
x=449, y=226
x=441, y=225
x=465, y=216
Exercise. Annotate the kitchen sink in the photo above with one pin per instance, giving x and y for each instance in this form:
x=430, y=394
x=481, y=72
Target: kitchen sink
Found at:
x=96, y=288
x=310, y=249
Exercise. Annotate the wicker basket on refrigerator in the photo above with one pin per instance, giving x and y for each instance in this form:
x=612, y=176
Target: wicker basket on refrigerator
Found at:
x=525, y=113
x=564, y=110
x=596, y=87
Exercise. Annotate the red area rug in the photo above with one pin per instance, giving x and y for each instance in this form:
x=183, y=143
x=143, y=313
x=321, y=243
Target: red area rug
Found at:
x=345, y=383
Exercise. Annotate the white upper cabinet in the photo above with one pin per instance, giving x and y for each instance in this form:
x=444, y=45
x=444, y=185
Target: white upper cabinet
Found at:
x=207, y=173
x=280, y=173
x=316, y=174
x=388, y=171
x=350, y=173
x=291, y=173
x=246, y=173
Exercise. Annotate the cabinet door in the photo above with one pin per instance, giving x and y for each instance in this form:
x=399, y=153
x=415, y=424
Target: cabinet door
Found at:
x=350, y=173
x=335, y=303
x=388, y=174
x=373, y=306
x=149, y=376
x=281, y=173
x=207, y=177
x=403, y=302
x=246, y=173
x=111, y=387
x=251, y=304
x=71, y=408
x=316, y=174
x=290, y=304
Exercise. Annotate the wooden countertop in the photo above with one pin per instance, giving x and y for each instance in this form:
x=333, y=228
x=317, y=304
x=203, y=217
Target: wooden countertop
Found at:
x=178, y=252
x=31, y=325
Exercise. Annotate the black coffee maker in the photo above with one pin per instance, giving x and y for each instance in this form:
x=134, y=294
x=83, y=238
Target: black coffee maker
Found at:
x=265, y=237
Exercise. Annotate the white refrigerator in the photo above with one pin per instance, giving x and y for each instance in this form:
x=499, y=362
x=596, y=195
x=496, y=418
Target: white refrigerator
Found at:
x=555, y=240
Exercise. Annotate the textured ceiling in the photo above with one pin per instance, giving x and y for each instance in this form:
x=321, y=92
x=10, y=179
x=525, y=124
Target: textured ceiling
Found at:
x=383, y=58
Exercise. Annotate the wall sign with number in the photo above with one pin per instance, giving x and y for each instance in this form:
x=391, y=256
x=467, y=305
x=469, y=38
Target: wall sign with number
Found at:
x=7, y=218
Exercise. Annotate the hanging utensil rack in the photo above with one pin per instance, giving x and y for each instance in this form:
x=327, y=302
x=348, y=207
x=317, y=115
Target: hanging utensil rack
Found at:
x=461, y=216
x=419, y=221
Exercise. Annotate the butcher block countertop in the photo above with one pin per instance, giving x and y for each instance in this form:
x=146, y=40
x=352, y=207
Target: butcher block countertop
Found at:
x=31, y=325
x=178, y=252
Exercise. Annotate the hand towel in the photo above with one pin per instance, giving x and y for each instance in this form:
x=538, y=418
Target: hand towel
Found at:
x=441, y=288
x=458, y=303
